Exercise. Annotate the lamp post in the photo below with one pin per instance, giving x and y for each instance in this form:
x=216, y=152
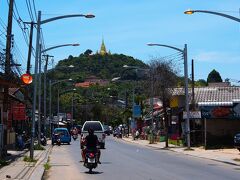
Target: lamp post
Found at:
x=184, y=52
x=39, y=23
x=45, y=80
x=137, y=68
x=50, y=97
x=189, y=12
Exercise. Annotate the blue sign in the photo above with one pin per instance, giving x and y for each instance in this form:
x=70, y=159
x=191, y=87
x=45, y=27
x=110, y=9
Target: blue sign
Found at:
x=136, y=111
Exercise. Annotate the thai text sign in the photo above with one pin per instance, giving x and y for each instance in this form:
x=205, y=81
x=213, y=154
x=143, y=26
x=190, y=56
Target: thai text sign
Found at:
x=192, y=115
x=19, y=111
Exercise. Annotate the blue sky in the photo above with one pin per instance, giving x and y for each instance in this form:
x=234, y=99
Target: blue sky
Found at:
x=127, y=25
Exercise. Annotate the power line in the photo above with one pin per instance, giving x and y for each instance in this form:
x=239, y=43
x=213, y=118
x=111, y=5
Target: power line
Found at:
x=29, y=10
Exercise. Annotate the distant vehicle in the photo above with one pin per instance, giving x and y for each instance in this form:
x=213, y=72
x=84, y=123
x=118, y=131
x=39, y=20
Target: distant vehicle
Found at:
x=79, y=128
x=98, y=130
x=111, y=129
x=65, y=136
x=117, y=133
x=237, y=141
x=107, y=130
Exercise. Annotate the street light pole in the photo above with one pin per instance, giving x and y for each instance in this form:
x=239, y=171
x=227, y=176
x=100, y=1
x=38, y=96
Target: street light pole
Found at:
x=184, y=52
x=45, y=95
x=45, y=79
x=39, y=23
x=189, y=12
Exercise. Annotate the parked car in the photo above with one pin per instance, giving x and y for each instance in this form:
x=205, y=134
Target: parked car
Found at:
x=98, y=130
x=237, y=141
x=107, y=130
x=65, y=136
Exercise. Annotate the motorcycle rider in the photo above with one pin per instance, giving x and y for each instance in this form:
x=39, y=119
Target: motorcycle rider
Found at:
x=91, y=143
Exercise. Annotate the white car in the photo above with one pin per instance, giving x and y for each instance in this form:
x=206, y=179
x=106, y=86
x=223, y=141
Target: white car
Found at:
x=98, y=131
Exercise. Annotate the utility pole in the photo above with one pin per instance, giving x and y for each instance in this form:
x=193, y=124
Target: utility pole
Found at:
x=165, y=117
x=50, y=107
x=7, y=72
x=30, y=47
x=193, y=85
x=35, y=86
x=39, y=95
x=126, y=108
x=45, y=94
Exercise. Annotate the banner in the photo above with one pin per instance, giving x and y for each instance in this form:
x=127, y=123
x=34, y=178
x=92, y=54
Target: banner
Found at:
x=19, y=111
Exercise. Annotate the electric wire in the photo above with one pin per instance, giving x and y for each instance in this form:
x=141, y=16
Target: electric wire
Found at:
x=29, y=10
x=34, y=7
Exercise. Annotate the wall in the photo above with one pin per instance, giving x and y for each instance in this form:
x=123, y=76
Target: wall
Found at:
x=220, y=132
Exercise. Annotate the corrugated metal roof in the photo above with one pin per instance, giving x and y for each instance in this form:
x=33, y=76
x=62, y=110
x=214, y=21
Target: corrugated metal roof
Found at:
x=212, y=95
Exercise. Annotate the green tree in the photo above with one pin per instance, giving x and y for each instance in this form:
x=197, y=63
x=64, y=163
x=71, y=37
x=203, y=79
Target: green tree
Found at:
x=214, y=76
x=201, y=83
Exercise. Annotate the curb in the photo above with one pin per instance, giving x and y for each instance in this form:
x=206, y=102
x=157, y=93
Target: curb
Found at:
x=38, y=171
x=171, y=149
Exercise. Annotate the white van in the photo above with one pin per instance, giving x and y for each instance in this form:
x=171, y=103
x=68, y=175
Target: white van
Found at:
x=98, y=131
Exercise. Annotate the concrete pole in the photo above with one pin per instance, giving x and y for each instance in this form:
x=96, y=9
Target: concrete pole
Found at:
x=3, y=150
x=35, y=85
x=45, y=94
x=50, y=106
x=30, y=48
x=39, y=96
x=187, y=124
x=58, y=107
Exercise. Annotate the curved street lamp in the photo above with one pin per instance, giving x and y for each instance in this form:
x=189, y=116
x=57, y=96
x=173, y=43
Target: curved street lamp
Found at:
x=45, y=79
x=189, y=12
x=39, y=23
x=184, y=52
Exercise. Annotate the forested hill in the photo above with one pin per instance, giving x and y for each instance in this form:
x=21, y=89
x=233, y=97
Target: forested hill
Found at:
x=105, y=66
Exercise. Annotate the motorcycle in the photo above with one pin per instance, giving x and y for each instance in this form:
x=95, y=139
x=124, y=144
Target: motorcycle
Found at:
x=58, y=139
x=75, y=136
x=43, y=140
x=90, y=160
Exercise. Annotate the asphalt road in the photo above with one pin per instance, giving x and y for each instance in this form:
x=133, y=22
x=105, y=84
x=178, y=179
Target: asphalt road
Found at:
x=123, y=160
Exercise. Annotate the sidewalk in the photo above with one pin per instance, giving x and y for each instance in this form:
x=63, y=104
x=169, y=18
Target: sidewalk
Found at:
x=229, y=156
x=19, y=169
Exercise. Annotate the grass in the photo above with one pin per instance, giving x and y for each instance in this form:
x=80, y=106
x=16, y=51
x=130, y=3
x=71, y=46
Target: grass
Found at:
x=28, y=159
x=39, y=147
x=3, y=163
x=237, y=159
x=188, y=149
x=47, y=166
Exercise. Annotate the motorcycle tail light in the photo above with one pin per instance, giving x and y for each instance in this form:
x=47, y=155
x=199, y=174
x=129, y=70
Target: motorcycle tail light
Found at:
x=91, y=155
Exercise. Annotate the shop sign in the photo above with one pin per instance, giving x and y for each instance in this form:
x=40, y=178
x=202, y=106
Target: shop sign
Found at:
x=19, y=111
x=192, y=115
x=230, y=112
x=136, y=111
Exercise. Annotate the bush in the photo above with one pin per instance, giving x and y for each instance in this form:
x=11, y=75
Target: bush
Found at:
x=3, y=162
x=28, y=159
x=38, y=147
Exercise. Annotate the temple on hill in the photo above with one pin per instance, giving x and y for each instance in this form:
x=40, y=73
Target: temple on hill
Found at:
x=103, y=50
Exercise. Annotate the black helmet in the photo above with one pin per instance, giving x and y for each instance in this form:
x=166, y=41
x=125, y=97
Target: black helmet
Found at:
x=90, y=131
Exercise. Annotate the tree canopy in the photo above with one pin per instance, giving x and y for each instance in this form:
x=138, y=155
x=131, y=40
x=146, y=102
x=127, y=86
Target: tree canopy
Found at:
x=214, y=76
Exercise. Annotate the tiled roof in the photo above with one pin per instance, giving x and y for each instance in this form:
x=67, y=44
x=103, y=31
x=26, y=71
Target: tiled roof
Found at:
x=210, y=95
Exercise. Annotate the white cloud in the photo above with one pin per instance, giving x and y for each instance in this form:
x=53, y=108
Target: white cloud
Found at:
x=218, y=57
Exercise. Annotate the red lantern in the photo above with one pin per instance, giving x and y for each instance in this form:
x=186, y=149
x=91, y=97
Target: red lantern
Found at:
x=26, y=78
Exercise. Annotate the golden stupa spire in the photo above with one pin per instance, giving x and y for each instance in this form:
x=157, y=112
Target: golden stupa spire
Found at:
x=103, y=50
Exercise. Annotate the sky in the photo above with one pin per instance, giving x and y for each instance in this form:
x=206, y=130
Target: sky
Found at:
x=128, y=25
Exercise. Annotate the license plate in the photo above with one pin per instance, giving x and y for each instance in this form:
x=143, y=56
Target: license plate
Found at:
x=91, y=160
